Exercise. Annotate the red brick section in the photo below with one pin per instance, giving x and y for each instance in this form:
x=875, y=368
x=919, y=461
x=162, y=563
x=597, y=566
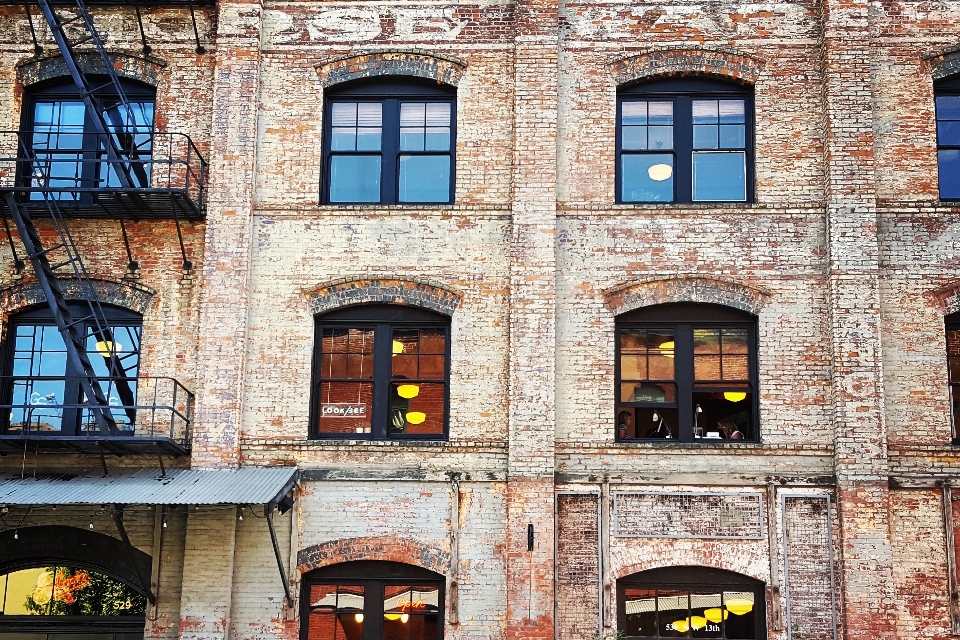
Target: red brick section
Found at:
x=532, y=418
x=728, y=63
x=389, y=549
x=391, y=63
x=707, y=290
x=854, y=299
x=223, y=306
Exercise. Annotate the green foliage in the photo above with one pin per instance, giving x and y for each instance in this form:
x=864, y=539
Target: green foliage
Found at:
x=612, y=635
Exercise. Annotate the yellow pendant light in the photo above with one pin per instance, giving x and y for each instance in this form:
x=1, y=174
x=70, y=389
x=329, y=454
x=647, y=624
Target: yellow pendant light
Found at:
x=107, y=348
x=415, y=417
x=660, y=172
x=734, y=396
x=405, y=618
x=408, y=391
x=397, y=347
x=716, y=615
x=697, y=622
x=668, y=348
x=681, y=625
x=358, y=617
x=392, y=616
x=739, y=606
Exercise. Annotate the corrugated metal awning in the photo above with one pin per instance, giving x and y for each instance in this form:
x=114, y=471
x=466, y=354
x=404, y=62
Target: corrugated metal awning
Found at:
x=246, y=485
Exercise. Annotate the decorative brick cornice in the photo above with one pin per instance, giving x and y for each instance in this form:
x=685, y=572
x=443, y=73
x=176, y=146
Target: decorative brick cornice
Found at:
x=628, y=297
x=20, y=296
x=384, y=548
x=725, y=62
x=394, y=62
x=943, y=64
x=387, y=290
x=947, y=297
x=125, y=65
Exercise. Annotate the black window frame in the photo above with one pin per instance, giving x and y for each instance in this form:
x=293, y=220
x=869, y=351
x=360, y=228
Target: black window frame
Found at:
x=383, y=319
x=946, y=87
x=681, y=92
x=688, y=578
x=952, y=323
x=681, y=319
x=373, y=575
x=390, y=92
x=40, y=315
x=63, y=89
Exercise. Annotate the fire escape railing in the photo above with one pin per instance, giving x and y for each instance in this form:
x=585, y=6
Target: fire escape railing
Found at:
x=166, y=171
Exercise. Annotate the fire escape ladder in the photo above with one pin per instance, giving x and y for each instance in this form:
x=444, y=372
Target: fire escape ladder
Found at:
x=103, y=101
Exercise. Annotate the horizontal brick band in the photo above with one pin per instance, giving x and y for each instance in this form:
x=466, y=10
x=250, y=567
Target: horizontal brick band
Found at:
x=388, y=548
x=121, y=294
x=644, y=294
x=125, y=65
x=727, y=63
x=418, y=293
x=419, y=64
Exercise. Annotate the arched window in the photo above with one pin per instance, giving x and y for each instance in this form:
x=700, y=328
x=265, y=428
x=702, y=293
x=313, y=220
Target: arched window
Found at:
x=68, y=150
x=41, y=391
x=389, y=141
x=685, y=140
x=953, y=371
x=947, y=93
x=686, y=373
x=381, y=372
x=64, y=580
x=369, y=600
x=691, y=602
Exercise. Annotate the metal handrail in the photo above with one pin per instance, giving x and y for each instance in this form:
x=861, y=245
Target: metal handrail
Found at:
x=135, y=420
x=159, y=162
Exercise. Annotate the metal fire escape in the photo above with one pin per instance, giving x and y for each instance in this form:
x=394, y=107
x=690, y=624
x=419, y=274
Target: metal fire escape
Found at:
x=125, y=186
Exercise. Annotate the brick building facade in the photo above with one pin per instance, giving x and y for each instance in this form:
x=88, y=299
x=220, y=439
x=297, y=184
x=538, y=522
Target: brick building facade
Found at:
x=833, y=517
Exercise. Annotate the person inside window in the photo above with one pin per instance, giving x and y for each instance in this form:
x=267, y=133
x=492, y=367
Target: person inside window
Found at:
x=625, y=425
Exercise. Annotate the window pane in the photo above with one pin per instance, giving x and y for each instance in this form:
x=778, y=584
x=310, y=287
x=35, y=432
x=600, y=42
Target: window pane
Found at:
x=411, y=139
x=355, y=178
x=343, y=114
x=424, y=178
x=723, y=411
x=647, y=177
x=336, y=612
x=633, y=113
x=641, y=612
x=660, y=113
x=732, y=136
x=66, y=591
x=706, y=341
x=410, y=613
x=732, y=112
x=405, y=366
x=413, y=114
x=955, y=397
x=417, y=408
x=648, y=392
x=705, y=136
x=719, y=176
x=706, y=615
x=634, y=138
x=657, y=423
x=735, y=368
x=949, y=165
x=437, y=139
x=706, y=367
x=706, y=112
x=739, y=625
x=735, y=341
x=345, y=407
x=433, y=341
x=438, y=114
x=633, y=367
x=948, y=107
x=672, y=612
x=660, y=138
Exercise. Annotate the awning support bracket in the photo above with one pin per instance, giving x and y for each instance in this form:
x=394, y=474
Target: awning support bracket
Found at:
x=118, y=520
x=268, y=510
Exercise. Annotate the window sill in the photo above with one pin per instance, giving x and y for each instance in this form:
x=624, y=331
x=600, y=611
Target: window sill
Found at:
x=673, y=444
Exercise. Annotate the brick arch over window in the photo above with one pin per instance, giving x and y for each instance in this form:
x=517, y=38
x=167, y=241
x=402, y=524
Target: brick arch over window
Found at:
x=374, y=548
x=384, y=290
x=146, y=70
x=419, y=64
x=725, y=63
x=121, y=294
x=708, y=553
x=943, y=64
x=947, y=298
x=644, y=294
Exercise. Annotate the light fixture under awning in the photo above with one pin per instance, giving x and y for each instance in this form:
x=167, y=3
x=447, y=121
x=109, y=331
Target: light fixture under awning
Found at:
x=246, y=485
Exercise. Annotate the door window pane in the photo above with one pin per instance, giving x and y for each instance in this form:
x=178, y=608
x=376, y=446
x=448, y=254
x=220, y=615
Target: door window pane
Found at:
x=336, y=612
